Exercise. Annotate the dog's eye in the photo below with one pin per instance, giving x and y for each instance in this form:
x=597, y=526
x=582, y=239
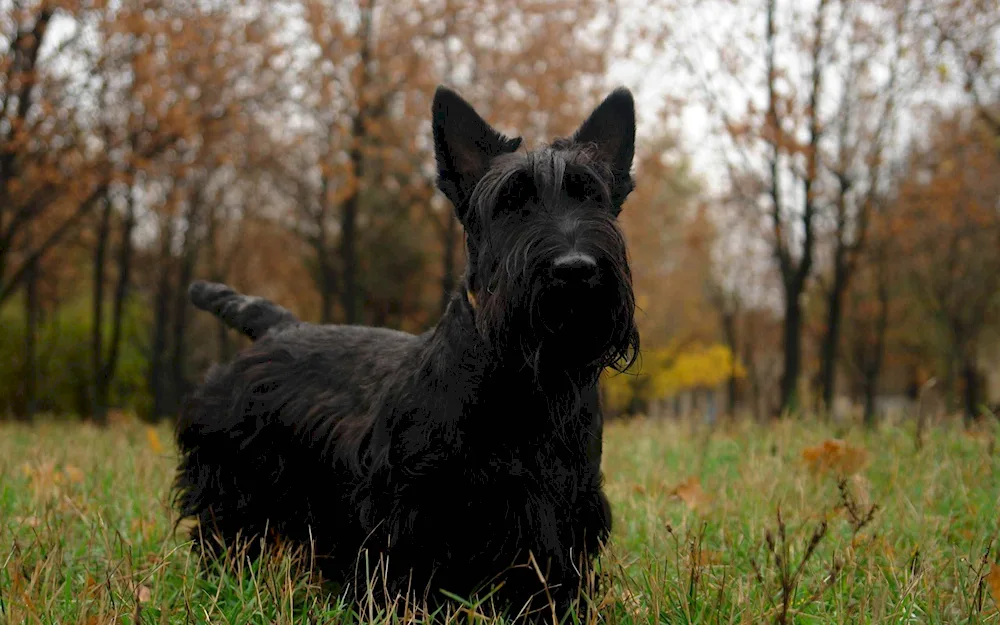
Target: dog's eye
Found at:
x=583, y=188
x=514, y=210
x=513, y=203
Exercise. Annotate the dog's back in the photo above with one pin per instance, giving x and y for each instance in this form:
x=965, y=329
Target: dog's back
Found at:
x=289, y=413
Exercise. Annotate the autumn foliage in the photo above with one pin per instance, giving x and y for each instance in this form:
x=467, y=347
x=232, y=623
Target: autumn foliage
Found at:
x=826, y=236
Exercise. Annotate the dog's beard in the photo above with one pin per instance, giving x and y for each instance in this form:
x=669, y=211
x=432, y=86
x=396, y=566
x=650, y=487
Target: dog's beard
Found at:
x=572, y=330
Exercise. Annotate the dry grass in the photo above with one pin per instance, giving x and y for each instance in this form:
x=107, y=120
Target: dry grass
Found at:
x=870, y=530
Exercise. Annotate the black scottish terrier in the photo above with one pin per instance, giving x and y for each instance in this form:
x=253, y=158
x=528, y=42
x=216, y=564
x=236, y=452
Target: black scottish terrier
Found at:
x=467, y=458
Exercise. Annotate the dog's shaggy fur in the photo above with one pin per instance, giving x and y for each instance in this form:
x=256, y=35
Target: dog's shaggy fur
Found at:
x=468, y=456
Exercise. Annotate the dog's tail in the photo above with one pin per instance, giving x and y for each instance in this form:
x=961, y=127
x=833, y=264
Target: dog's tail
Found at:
x=253, y=316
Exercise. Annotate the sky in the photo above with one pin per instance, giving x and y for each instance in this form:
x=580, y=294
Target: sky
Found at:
x=698, y=30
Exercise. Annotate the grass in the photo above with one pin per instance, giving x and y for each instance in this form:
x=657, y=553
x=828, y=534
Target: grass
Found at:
x=908, y=536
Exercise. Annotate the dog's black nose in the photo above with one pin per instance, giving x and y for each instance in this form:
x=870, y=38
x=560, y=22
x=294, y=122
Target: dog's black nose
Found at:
x=575, y=268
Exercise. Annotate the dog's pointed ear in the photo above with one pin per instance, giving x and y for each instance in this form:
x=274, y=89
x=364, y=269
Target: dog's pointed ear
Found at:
x=611, y=130
x=464, y=145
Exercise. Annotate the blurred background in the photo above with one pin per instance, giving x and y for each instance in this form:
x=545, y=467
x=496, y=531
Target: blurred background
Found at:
x=816, y=226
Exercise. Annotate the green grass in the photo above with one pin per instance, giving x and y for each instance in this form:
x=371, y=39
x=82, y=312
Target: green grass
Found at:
x=86, y=532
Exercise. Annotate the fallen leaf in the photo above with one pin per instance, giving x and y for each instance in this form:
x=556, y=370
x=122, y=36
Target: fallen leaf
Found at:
x=30, y=521
x=45, y=479
x=835, y=455
x=154, y=440
x=91, y=586
x=143, y=594
x=74, y=474
x=120, y=417
x=979, y=434
x=690, y=492
x=887, y=548
x=993, y=581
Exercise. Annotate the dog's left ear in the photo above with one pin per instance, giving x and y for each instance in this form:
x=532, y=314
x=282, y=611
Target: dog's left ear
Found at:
x=464, y=145
x=611, y=128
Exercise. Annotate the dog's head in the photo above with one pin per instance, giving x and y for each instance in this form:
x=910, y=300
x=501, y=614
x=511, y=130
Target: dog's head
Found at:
x=547, y=271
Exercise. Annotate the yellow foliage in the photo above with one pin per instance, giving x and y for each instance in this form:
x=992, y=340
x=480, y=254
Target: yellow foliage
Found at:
x=665, y=372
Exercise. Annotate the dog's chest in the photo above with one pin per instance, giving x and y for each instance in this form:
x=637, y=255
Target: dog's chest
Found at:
x=525, y=451
x=538, y=469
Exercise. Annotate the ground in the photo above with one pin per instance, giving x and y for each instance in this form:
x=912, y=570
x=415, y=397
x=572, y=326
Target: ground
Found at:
x=892, y=531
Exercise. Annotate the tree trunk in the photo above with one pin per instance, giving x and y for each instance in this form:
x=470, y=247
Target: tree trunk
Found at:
x=327, y=285
x=3, y=210
x=218, y=269
x=792, y=346
x=179, y=343
x=970, y=394
x=794, y=274
x=873, y=370
x=29, y=382
x=161, y=318
x=729, y=332
x=950, y=377
x=349, y=257
x=349, y=216
x=21, y=58
x=448, y=278
x=831, y=339
x=870, y=389
x=753, y=375
x=110, y=367
x=97, y=411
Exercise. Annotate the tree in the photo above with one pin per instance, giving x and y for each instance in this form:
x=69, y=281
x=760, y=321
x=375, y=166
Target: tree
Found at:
x=874, y=39
x=774, y=149
x=870, y=303
x=176, y=123
x=738, y=291
x=949, y=229
x=371, y=69
x=966, y=50
x=46, y=188
x=804, y=97
x=361, y=74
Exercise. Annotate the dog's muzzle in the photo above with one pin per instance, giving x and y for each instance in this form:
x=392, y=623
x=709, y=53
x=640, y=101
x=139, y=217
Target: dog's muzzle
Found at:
x=574, y=270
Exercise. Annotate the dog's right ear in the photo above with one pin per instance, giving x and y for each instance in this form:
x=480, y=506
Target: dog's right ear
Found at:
x=611, y=129
x=464, y=145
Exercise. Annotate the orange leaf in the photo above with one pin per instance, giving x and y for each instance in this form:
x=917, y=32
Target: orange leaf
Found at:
x=993, y=580
x=154, y=440
x=835, y=455
x=690, y=492
x=74, y=474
